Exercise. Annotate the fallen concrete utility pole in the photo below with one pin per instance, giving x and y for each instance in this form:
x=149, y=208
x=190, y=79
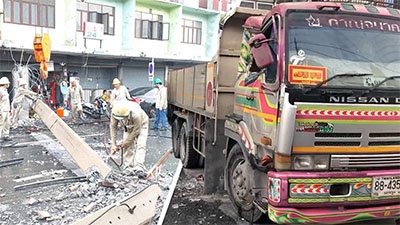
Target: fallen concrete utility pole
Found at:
x=138, y=209
x=11, y=162
x=80, y=151
x=51, y=182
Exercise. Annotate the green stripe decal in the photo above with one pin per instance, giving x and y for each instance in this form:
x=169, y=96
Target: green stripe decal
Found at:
x=242, y=100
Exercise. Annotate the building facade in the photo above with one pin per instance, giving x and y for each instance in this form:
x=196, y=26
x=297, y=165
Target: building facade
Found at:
x=98, y=40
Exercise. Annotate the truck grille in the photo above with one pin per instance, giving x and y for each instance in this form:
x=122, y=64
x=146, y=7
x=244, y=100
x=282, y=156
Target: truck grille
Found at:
x=339, y=162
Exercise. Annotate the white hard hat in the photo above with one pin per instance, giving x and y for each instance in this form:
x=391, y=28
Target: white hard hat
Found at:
x=116, y=81
x=4, y=80
x=120, y=110
x=22, y=82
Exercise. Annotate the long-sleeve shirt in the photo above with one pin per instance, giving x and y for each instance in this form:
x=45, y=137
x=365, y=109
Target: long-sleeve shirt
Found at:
x=4, y=100
x=121, y=94
x=76, y=94
x=133, y=125
x=21, y=93
x=161, y=99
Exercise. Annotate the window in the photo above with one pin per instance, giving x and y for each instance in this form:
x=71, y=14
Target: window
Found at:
x=30, y=12
x=247, y=4
x=191, y=31
x=271, y=70
x=151, y=26
x=90, y=12
x=264, y=6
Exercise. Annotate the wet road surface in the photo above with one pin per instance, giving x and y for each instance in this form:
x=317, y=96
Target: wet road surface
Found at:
x=45, y=158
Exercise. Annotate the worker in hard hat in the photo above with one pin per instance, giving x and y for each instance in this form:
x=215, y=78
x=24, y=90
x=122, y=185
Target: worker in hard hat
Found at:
x=18, y=100
x=119, y=93
x=76, y=93
x=4, y=110
x=161, y=105
x=135, y=123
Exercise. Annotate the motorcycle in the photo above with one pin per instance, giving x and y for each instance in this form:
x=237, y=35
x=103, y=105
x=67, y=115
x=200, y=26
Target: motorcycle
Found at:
x=96, y=110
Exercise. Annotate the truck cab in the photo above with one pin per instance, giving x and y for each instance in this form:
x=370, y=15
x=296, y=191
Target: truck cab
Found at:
x=314, y=136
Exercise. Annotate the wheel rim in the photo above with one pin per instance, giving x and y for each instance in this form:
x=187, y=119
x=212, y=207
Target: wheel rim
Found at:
x=240, y=184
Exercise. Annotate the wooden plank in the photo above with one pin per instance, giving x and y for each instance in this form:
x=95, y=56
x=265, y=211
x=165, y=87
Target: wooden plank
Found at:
x=82, y=154
x=143, y=203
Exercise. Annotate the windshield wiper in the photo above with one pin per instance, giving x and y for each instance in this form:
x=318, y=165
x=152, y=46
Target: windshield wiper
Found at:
x=380, y=83
x=336, y=76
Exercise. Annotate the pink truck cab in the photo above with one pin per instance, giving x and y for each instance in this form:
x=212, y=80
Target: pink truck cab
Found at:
x=315, y=133
x=297, y=117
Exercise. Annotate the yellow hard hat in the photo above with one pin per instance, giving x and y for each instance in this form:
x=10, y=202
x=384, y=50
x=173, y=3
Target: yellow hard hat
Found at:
x=116, y=81
x=120, y=110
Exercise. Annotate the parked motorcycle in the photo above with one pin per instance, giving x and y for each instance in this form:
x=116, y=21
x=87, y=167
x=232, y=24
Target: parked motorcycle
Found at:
x=96, y=110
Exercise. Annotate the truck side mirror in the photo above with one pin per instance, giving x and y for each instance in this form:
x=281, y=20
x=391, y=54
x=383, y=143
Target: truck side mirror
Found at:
x=261, y=50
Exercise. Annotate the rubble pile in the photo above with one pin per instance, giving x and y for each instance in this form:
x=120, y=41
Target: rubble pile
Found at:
x=67, y=203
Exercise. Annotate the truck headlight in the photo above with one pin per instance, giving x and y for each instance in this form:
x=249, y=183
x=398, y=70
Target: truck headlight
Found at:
x=311, y=162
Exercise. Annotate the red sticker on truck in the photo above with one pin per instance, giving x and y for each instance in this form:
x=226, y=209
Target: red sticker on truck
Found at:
x=306, y=74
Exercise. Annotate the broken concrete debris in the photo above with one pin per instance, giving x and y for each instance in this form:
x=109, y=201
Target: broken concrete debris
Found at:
x=67, y=201
x=32, y=201
x=42, y=214
x=89, y=207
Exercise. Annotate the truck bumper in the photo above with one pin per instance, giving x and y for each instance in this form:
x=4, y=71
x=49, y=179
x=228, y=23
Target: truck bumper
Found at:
x=308, y=197
x=284, y=215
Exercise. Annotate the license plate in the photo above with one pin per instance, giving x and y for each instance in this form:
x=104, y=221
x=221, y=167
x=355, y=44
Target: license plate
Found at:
x=385, y=186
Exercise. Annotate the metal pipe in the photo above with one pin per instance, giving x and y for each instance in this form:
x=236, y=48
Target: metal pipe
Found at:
x=216, y=103
x=51, y=182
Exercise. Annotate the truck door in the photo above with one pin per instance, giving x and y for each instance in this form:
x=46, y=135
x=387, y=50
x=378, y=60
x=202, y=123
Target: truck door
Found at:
x=267, y=93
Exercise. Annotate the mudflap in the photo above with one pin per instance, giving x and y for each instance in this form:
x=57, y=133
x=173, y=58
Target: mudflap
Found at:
x=215, y=159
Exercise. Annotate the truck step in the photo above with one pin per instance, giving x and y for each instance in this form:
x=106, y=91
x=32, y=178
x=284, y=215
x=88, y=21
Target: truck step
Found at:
x=262, y=206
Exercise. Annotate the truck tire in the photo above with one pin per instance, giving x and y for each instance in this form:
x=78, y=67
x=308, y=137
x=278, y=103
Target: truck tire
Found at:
x=175, y=135
x=238, y=186
x=188, y=155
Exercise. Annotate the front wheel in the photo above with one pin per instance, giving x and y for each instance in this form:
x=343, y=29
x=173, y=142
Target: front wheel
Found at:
x=239, y=186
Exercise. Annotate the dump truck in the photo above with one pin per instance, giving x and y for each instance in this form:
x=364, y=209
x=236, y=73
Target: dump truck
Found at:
x=298, y=115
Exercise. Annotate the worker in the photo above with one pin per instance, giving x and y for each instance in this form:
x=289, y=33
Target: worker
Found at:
x=105, y=96
x=18, y=100
x=161, y=105
x=119, y=93
x=135, y=123
x=76, y=93
x=4, y=110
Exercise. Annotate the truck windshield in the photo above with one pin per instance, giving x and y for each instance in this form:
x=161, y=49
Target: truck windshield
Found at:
x=322, y=45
